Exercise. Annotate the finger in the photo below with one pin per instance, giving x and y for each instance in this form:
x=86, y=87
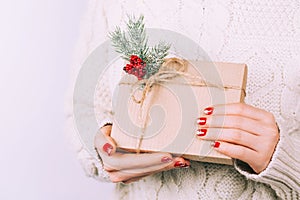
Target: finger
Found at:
x=120, y=161
x=178, y=163
x=136, y=174
x=231, y=122
x=234, y=136
x=240, y=109
x=105, y=144
x=106, y=131
x=235, y=151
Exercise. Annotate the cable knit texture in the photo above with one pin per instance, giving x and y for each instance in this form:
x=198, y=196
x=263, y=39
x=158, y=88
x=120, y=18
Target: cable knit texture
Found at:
x=263, y=34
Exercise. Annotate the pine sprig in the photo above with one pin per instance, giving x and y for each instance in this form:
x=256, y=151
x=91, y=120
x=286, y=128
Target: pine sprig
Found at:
x=121, y=43
x=137, y=36
x=155, y=58
x=135, y=42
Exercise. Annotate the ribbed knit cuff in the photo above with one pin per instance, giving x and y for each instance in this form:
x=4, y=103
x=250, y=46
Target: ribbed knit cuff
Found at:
x=283, y=171
x=94, y=166
x=105, y=122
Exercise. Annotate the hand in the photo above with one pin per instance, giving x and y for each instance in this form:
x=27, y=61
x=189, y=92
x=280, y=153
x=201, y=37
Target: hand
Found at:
x=129, y=167
x=241, y=131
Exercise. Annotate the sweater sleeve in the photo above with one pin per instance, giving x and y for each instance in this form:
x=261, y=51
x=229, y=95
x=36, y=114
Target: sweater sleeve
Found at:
x=83, y=143
x=283, y=171
x=89, y=39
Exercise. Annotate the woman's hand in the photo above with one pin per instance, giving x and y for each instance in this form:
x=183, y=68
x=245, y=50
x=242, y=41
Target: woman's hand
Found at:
x=241, y=131
x=129, y=167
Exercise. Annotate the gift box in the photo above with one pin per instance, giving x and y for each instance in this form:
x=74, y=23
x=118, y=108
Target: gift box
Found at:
x=159, y=114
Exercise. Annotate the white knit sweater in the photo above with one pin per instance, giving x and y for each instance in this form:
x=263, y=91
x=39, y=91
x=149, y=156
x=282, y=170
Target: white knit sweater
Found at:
x=263, y=34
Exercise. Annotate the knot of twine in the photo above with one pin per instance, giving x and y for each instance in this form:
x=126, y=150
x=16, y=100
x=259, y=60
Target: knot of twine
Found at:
x=171, y=68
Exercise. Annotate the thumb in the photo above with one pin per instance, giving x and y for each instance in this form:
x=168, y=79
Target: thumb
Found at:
x=105, y=145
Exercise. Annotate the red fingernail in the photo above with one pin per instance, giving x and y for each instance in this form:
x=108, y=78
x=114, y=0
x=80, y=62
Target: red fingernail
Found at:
x=216, y=144
x=201, y=121
x=208, y=110
x=108, y=148
x=166, y=159
x=181, y=164
x=201, y=132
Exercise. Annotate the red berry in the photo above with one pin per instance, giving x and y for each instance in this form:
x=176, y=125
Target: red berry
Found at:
x=135, y=60
x=136, y=67
x=127, y=67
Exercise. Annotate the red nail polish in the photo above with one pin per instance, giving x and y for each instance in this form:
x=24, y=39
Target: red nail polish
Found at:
x=166, y=159
x=208, y=111
x=201, y=121
x=107, y=148
x=216, y=144
x=181, y=164
x=201, y=132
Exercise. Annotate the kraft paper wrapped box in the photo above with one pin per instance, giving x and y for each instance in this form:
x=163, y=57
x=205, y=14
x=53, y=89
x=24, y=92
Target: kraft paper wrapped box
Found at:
x=166, y=119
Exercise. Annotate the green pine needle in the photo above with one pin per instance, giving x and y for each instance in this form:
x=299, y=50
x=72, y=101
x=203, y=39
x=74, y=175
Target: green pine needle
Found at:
x=135, y=42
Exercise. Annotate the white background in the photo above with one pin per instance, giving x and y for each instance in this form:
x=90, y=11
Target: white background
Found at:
x=37, y=40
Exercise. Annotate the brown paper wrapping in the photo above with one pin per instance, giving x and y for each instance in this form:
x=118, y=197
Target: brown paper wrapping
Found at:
x=170, y=111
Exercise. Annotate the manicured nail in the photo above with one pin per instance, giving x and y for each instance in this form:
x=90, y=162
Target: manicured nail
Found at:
x=181, y=164
x=201, y=132
x=166, y=159
x=201, y=121
x=108, y=148
x=216, y=144
x=208, y=111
